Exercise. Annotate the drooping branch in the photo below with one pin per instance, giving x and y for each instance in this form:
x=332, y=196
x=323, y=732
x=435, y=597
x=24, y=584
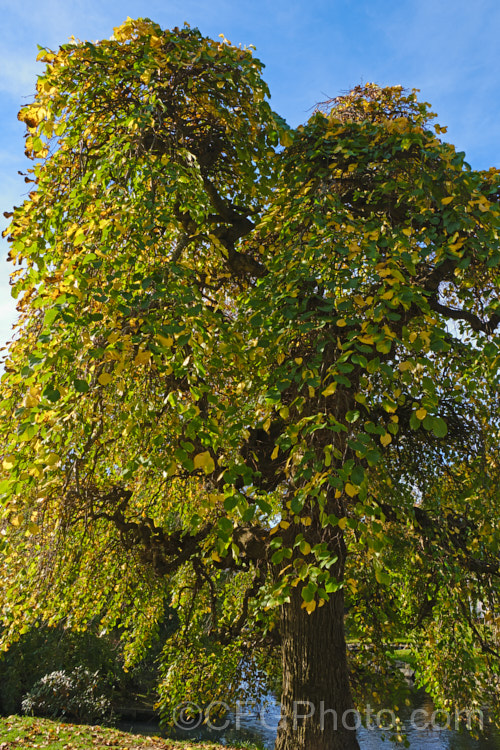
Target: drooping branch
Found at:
x=202, y=575
x=165, y=551
x=483, y=644
x=447, y=531
x=251, y=592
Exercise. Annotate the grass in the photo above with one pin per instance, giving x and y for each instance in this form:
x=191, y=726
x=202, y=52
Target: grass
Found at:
x=19, y=732
x=403, y=654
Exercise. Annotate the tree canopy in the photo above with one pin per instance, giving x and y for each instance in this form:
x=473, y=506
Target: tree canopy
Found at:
x=255, y=375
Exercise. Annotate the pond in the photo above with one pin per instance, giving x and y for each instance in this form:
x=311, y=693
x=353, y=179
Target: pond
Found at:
x=425, y=728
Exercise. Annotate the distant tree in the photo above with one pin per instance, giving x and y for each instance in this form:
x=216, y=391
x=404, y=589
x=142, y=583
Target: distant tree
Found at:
x=254, y=368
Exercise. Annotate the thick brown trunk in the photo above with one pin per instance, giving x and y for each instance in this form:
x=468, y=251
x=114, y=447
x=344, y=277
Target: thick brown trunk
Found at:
x=316, y=704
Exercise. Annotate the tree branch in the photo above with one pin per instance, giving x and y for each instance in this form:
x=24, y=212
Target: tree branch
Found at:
x=433, y=530
x=474, y=321
x=237, y=225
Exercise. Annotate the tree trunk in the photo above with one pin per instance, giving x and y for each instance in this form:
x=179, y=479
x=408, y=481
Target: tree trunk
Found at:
x=316, y=704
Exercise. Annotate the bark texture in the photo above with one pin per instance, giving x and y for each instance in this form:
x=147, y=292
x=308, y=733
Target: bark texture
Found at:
x=316, y=703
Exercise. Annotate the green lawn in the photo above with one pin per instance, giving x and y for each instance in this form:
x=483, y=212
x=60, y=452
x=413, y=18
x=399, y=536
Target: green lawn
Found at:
x=27, y=732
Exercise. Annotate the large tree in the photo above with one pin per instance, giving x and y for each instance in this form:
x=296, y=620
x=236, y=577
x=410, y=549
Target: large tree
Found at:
x=255, y=372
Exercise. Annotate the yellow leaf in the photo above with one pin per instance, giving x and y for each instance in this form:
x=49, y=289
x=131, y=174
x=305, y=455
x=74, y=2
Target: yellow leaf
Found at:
x=446, y=201
x=105, y=378
x=215, y=498
x=305, y=548
x=342, y=523
x=33, y=528
x=421, y=413
x=351, y=489
x=457, y=245
x=32, y=397
x=275, y=452
x=309, y=606
x=368, y=339
x=142, y=358
x=51, y=459
x=385, y=439
x=165, y=340
x=298, y=360
x=329, y=390
x=286, y=138
x=8, y=463
x=215, y=556
x=204, y=461
x=341, y=323
x=403, y=366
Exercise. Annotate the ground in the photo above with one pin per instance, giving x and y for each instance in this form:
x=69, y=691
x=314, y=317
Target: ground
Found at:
x=29, y=732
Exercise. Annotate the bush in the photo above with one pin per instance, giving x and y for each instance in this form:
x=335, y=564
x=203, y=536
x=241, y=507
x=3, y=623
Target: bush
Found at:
x=76, y=695
x=43, y=650
x=49, y=649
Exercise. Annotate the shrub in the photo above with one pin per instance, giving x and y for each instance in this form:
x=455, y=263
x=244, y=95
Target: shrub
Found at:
x=48, y=649
x=77, y=695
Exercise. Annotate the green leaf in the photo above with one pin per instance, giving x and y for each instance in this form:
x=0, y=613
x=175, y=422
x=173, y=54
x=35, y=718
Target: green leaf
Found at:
x=382, y=577
x=51, y=393
x=264, y=505
x=231, y=502
x=309, y=591
x=81, y=386
x=352, y=416
x=357, y=474
x=225, y=525
x=296, y=505
x=439, y=427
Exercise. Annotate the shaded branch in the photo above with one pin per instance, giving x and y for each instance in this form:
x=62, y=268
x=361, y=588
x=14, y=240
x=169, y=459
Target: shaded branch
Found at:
x=484, y=645
x=474, y=321
x=250, y=593
x=444, y=531
x=236, y=225
x=165, y=552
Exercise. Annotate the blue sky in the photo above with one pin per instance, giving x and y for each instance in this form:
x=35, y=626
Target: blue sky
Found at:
x=313, y=49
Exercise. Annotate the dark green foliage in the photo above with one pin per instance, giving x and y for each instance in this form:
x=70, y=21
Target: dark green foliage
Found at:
x=43, y=650
x=76, y=695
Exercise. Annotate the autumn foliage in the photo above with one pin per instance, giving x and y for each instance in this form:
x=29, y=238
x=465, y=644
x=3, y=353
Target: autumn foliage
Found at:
x=255, y=373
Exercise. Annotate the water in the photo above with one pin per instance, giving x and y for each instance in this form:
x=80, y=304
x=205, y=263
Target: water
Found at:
x=425, y=730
